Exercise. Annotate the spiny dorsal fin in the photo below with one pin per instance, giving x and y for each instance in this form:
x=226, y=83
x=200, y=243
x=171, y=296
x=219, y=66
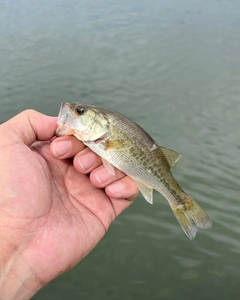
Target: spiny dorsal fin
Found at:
x=171, y=156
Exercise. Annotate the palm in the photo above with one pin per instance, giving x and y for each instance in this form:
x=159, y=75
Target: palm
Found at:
x=51, y=215
x=60, y=214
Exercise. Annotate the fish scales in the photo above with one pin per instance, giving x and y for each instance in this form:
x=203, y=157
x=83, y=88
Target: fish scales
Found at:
x=137, y=152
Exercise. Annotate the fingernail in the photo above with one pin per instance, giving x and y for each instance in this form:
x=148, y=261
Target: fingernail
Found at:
x=116, y=187
x=62, y=148
x=103, y=175
x=86, y=161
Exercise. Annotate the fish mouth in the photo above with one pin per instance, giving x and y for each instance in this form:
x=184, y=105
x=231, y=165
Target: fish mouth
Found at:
x=65, y=118
x=64, y=130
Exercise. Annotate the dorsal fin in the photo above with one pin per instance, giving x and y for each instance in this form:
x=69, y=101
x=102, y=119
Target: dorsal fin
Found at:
x=171, y=156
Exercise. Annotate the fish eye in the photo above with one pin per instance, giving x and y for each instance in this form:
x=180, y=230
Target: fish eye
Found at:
x=80, y=110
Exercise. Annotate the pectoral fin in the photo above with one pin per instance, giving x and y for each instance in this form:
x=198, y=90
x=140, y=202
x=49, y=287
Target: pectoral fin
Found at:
x=146, y=191
x=108, y=166
x=116, y=145
x=171, y=156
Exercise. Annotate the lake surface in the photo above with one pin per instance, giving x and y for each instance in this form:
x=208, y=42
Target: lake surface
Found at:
x=173, y=67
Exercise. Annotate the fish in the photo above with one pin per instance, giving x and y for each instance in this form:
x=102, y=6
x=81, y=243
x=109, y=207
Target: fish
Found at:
x=123, y=144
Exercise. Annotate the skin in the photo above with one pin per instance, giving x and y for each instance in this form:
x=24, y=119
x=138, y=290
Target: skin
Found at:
x=56, y=203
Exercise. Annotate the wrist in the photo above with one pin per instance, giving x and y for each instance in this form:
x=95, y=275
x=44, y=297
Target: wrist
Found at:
x=16, y=279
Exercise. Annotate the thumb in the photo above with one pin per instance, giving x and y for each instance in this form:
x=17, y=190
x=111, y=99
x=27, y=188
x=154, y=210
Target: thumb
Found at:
x=27, y=127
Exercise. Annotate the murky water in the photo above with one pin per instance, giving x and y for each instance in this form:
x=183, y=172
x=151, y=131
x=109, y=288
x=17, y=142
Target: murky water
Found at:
x=173, y=67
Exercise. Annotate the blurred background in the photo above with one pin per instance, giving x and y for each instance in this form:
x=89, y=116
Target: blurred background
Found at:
x=173, y=67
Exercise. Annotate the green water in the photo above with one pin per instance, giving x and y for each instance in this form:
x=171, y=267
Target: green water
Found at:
x=173, y=67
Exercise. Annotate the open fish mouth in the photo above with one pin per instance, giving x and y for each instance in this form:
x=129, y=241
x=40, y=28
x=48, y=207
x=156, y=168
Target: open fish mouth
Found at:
x=64, y=130
x=64, y=120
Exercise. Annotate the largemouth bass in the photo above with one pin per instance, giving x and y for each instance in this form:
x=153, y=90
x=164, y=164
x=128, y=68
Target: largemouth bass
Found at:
x=125, y=145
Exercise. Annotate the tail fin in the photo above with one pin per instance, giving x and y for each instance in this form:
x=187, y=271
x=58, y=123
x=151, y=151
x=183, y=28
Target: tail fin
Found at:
x=191, y=217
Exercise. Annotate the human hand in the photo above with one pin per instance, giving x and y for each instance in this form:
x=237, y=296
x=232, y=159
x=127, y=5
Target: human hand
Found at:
x=52, y=214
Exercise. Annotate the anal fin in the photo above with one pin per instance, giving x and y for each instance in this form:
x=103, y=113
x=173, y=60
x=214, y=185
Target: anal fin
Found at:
x=146, y=191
